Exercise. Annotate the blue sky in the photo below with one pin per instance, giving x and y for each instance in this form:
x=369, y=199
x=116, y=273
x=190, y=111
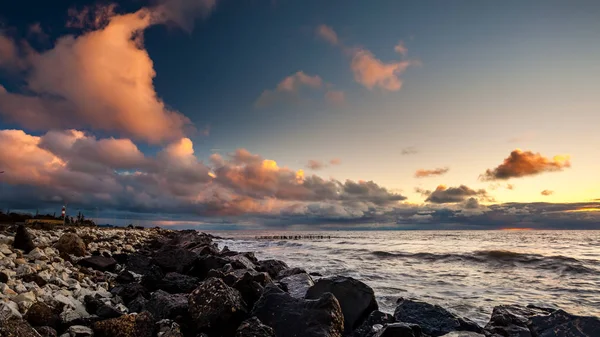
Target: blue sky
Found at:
x=482, y=79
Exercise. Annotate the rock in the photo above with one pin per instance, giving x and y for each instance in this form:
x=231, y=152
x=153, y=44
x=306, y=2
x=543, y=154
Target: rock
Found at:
x=376, y=317
x=37, y=254
x=152, y=277
x=23, y=240
x=204, y=264
x=125, y=277
x=290, y=272
x=129, y=292
x=175, y=283
x=99, y=263
x=215, y=308
x=399, y=330
x=96, y=307
x=36, y=278
x=168, y=328
x=512, y=320
x=141, y=325
x=560, y=323
x=239, y=261
x=356, y=299
x=71, y=243
x=137, y=263
x=463, y=334
x=8, y=310
x=46, y=331
x=288, y=316
x=163, y=305
x=138, y=304
x=273, y=267
x=253, y=327
x=80, y=331
x=298, y=284
x=249, y=289
x=174, y=259
x=433, y=319
x=15, y=327
x=40, y=314
x=3, y=277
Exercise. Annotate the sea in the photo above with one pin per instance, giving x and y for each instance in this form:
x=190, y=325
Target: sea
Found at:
x=467, y=272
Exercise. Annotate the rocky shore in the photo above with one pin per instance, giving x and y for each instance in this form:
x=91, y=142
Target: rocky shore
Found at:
x=86, y=281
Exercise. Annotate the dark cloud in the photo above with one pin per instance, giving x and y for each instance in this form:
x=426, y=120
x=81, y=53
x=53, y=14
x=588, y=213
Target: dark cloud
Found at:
x=315, y=165
x=547, y=192
x=422, y=191
x=409, y=150
x=444, y=195
x=521, y=164
x=422, y=173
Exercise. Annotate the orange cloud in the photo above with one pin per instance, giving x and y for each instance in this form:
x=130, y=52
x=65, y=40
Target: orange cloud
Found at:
x=401, y=49
x=421, y=173
x=547, y=192
x=315, y=165
x=288, y=88
x=372, y=72
x=525, y=163
x=328, y=34
x=335, y=161
x=336, y=97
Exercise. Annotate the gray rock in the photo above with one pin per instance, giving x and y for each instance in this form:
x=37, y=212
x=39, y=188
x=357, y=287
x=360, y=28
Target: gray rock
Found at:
x=163, y=305
x=80, y=331
x=71, y=243
x=399, y=330
x=253, y=327
x=297, y=284
x=512, y=320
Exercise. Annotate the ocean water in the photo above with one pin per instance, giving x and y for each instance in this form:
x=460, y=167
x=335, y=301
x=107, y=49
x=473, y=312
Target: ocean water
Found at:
x=468, y=272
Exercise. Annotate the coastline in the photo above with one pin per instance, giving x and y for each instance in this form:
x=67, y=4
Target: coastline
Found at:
x=86, y=281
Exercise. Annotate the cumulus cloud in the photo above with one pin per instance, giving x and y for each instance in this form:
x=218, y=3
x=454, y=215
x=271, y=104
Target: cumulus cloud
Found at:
x=525, y=163
x=372, y=73
x=288, y=88
x=328, y=34
x=547, y=192
x=444, y=195
x=422, y=173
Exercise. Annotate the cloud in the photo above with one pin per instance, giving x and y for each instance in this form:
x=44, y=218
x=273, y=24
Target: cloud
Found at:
x=422, y=191
x=547, y=192
x=288, y=88
x=328, y=34
x=522, y=164
x=443, y=194
x=336, y=97
x=401, y=49
x=335, y=161
x=372, y=73
x=409, y=150
x=315, y=165
x=184, y=12
x=422, y=173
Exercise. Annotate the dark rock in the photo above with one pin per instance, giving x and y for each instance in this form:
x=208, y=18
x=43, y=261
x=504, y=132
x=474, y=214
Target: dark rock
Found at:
x=216, y=308
x=46, y=331
x=99, y=263
x=34, y=278
x=376, y=317
x=71, y=243
x=206, y=250
x=288, y=316
x=136, y=263
x=129, y=292
x=168, y=328
x=512, y=320
x=3, y=277
x=152, y=277
x=314, y=273
x=174, y=259
x=125, y=277
x=253, y=327
x=141, y=325
x=204, y=264
x=290, y=272
x=23, y=240
x=249, y=289
x=399, y=330
x=40, y=314
x=178, y=283
x=96, y=307
x=251, y=257
x=163, y=305
x=298, y=284
x=16, y=327
x=560, y=323
x=356, y=299
x=433, y=319
x=464, y=334
x=138, y=304
x=239, y=261
x=273, y=267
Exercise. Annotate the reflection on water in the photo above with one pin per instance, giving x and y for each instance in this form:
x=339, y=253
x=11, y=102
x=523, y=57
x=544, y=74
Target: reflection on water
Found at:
x=466, y=271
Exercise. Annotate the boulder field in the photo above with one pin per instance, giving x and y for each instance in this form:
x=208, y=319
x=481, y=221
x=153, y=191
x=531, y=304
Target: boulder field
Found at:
x=84, y=282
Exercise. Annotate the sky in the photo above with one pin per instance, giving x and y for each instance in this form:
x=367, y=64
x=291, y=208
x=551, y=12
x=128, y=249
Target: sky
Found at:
x=303, y=114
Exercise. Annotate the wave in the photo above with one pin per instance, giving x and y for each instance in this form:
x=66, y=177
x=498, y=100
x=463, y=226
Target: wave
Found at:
x=501, y=258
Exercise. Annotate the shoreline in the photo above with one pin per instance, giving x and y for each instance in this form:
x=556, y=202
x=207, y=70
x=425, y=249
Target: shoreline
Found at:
x=159, y=282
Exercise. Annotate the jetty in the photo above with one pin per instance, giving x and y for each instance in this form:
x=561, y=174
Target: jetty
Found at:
x=293, y=237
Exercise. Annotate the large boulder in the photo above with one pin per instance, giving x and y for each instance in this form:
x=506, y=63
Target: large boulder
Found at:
x=464, y=334
x=298, y=284
x=433, y=319
x=288, y=316
x=23, y=240
x=357, y=299
x=163, y=305
x=129, y=292
x=175, y=283
x=290, y=272
x=253, y=327
x=40, y=314
x=16, y=327
x=273, y=267
x=141, y=325
x=71, y=243
x=174, y=259
x=560, y=323
x=46, y=331
x=95, y=306
x=366, y=329
x=249, y=289
x=206, y=263
x=399, y=330
x=100, y=263
x=512, y=320
x=215, y=308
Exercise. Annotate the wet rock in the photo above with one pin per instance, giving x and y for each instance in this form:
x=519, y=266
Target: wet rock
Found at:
x=175, y=283
x=273, y=267
x=15, y=327
x=99, y=263
x=138, y=304
x=512, y=320
x=560, y=323
x=216, y=308
x=287, y=315
x=96, y=307
x=249, y=289
x=163, y=305
x=80, y=331
x=137, y=263
x=375, y=318
x=463, y=334
x=253, y=327
x=290, y=272
x=125, y=277
x=129, y=292
x=297, y=284
x=399, y=330
x=23, y=240
x=433, y=319
x=141, y=325
x=356, y=299
x=46, y=331
x=175, y=259
x=239, y=261
x=204, y=264
x=71, y=243
x=40, y=314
